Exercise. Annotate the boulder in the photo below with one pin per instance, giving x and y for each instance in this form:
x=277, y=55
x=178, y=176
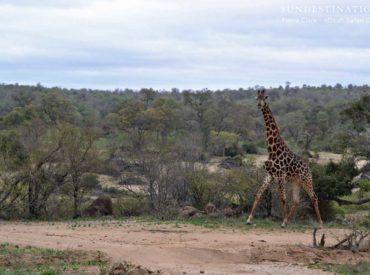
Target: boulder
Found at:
x=102, y=206
x=210, y=208
x=129, y=269
x=189, y=211
x=228, y=212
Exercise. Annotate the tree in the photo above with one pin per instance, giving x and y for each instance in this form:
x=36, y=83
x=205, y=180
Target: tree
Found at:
x=148, y=96
x=55, y=107
x=359, y=114
x=42, y=172
x=200, y=104
x=12, y=157
x=79, y=157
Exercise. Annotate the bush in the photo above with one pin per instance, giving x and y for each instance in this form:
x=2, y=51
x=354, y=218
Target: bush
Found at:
x=224, y=144
x=202, y=188
x=130, y=206
x=231, y=150
x=330, y=210
x=59, y=206
x=364, y=185
x=334, y=179
x=250, y=148
x=90, y=181
x=240, y=186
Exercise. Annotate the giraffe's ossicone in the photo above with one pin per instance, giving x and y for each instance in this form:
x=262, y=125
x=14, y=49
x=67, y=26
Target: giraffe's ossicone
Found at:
x=282, y=167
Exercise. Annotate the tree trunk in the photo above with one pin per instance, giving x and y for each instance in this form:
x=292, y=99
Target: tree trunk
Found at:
x=151, y=195
x=33, y=208
x=76, y=205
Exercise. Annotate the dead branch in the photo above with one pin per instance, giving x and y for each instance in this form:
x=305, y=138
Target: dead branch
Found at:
x=322, y=240
x=341, y=242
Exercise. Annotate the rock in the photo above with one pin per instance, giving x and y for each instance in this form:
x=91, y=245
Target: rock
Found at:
x=130, y=269
x=139, y=271
x=119, y=268
x=189, y=211
x=198, y=215
x=102, y=206
x=210, y=208
x=228, y=212
x=215, y=215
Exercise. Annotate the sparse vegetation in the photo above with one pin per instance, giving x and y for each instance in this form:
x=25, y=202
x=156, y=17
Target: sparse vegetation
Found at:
x=360, y=268
x=16, y=259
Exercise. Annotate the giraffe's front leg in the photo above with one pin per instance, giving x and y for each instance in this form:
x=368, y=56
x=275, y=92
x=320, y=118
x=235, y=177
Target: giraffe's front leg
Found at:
x=261, y=190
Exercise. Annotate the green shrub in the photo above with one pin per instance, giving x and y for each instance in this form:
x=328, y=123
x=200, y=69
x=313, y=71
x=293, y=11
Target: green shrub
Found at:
x=130, y=206
x=334, y=179
x=250, y=148
x=329, y=210
x=201, y=188
x=90, y=181
x=338, y=210
x=364, y=185
x=59, y=206
x=231, y=150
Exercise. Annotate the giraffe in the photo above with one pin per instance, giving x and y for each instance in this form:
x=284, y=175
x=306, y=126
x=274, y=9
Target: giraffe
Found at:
x=283, y=166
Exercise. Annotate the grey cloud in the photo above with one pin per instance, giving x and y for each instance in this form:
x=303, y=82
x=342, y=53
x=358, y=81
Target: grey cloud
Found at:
x=166, y=43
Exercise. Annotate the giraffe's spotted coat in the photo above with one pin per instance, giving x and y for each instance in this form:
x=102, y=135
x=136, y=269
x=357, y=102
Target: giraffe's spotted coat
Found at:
x=283, y=166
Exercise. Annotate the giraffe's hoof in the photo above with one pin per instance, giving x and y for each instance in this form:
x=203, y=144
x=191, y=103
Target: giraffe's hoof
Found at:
x=248, y=222
x=283, y=225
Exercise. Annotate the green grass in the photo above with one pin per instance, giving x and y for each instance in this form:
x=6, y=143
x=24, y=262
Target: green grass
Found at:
x=203, y=221
x=16, y=259
x=230, y=223
x=347, y=269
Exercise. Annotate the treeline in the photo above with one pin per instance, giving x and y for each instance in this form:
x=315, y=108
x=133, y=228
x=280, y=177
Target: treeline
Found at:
x=53, y=142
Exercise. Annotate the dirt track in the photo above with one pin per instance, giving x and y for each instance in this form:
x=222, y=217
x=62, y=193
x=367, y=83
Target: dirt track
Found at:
x=184, y=248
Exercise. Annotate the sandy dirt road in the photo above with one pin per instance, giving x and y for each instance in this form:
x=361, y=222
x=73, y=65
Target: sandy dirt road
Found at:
x=183, y=249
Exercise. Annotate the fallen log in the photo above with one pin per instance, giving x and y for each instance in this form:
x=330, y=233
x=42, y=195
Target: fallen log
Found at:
x=346, y=202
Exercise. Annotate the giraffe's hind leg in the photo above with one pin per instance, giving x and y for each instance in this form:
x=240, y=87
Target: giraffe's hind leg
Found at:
x=283, y=199
x=296, y=198
x=261, y=190
x=308, y=188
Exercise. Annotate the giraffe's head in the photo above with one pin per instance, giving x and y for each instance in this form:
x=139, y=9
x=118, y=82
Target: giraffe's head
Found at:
x=261, y=98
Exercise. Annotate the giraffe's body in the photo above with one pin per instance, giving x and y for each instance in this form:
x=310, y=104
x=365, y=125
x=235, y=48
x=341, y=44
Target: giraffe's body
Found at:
x=283, y=166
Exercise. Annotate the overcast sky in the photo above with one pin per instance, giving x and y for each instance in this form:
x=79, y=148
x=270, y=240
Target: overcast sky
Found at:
x=184, y=43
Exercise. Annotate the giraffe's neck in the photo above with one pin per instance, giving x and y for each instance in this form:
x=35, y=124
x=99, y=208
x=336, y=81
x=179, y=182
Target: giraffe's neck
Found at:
x=274, y=140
